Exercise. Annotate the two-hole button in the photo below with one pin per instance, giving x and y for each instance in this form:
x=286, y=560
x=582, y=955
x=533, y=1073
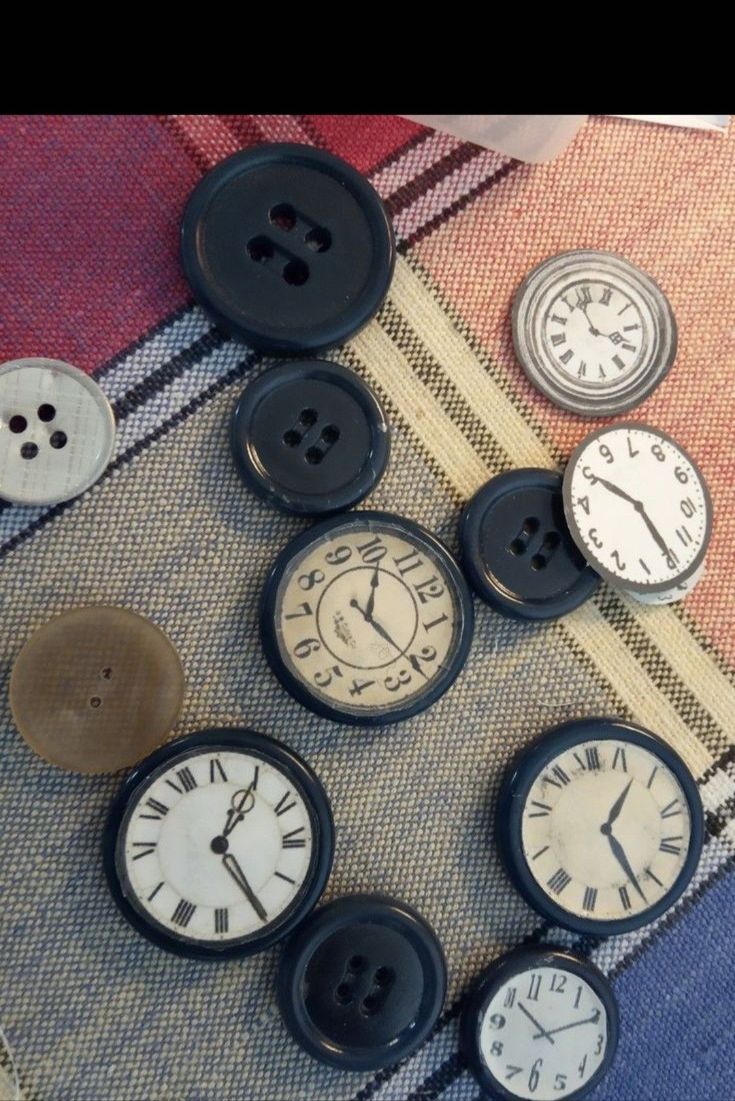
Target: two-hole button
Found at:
x=517, y=550
x=362, y=982
x=310, y=437
x=288, y=248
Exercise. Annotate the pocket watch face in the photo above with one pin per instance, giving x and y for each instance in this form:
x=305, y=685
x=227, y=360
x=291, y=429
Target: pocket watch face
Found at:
x=593, y=332
x=545, y=1026
x=609, y=826
x=638, y=508
x=220, y=845
x=367, y=618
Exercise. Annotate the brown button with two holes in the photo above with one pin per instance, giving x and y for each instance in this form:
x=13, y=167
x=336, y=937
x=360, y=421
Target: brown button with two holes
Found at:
x=96, y=689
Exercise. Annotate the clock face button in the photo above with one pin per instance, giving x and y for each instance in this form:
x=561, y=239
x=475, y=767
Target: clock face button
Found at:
x=606, y=830
x=218, y=844
x=540, y=1023
x=637, y=507
x=593, y=332
x=368, y=618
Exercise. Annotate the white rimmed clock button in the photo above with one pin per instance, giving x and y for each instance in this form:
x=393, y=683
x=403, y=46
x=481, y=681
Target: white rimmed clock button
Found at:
x=57, y=431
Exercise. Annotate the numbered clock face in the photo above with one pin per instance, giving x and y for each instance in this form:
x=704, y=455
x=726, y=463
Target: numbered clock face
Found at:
x=219, y=843
x=541, y=1023
x=593, y=332
x=601, y=826
x=366, y=618
x=638, y=508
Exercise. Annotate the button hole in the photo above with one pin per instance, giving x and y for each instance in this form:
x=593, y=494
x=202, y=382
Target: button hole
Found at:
x=538, y=562
x=95, y=702
x=106, y=673
x=260, y=249
x=17, y=423
x=308, y=417
x=29, y=450
x=552, y=539
x=530, y=526
x=357, y=964
x=318, y=239
x=282, y=215
x=58, y=440
x=46, y=412
x=344, y=993
x=296, y=272
x=314, y=456
x=330, y=434
x=370, y=1005
x=292, y=438
x=384, y=976
x=517, y=547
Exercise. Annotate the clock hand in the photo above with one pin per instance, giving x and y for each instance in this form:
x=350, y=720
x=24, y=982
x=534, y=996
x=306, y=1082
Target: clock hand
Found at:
x=573, y=1024
x=233, y=867
x=376, y=626
x=617, y=491
x=541, y=1030
x=236, y=813
x=593, y=330
x=374, y=582
x=616, y=808
x=652, y=527
x=619, y=853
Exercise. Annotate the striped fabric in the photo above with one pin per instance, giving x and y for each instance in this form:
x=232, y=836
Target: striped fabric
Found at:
x=89, y=273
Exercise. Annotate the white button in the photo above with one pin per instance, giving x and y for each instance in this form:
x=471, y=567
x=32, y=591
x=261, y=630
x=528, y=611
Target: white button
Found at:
x=57, y=431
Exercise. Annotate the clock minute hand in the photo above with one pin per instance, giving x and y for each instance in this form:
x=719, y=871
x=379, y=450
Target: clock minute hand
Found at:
x=573, y=1024
x=374, y=582
x=652, y=527
x=541, y=1030
x=231, y=864
x=376, y=626
x=619, y=853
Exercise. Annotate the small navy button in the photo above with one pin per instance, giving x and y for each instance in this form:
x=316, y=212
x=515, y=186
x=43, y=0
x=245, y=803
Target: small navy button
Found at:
x=288, y=248
x=517, y=550
x=310, y=437
x=362, y=982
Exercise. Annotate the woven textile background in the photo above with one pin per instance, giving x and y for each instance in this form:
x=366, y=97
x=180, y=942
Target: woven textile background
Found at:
x=89, y=273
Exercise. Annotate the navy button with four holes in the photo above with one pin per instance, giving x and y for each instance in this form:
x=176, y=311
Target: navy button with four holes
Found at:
x=288, y=248
x=362, y=982
x=517, y=550
x=310, y=437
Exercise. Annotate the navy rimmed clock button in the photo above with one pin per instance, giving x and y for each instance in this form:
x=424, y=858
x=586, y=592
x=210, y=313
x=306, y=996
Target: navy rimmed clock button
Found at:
x=310, y=437
x=362, y=982
x=288, y=248
x=517, y=551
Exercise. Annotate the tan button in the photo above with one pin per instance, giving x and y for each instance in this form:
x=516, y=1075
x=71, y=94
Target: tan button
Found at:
x=96, y=689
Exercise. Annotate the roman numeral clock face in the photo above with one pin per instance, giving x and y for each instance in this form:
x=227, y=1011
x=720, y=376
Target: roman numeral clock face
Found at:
x=366, y=618
x=593, y=332
x=221, y=846
x=608, y=829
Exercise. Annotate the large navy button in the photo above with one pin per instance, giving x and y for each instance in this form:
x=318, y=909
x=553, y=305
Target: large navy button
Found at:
x=310, y=437
x=517, y=550
x=362, y=982
x=288, y=248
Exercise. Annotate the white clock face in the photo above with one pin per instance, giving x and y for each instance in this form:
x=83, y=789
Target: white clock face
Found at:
x=637, y=507
x=368, y=617
x=544, y=1033
x=606, y=830
x=216, y=846
x=593, y=332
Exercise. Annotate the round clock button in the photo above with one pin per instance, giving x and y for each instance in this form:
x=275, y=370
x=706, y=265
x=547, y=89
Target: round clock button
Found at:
x=310, y=437
x=638, y=508
x=362, y=982
x=57, y=431
x=366, y=618
x=218, y=844
x=517, y=550
x=593, y=332
x=95, y=689
x=600, y=825
x=540, y=1022
x=288, y=248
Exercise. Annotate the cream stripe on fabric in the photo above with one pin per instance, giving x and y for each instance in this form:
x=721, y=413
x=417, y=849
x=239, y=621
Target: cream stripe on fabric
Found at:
x=495, y=409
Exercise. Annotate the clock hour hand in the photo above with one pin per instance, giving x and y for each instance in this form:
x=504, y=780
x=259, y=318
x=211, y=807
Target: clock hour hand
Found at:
x=231, y=864
x=236, y=813
x=617, y=491
x=541, y=1030
x=374, y=582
